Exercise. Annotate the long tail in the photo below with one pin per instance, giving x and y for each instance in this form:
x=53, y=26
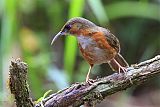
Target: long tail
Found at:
x=120, y=60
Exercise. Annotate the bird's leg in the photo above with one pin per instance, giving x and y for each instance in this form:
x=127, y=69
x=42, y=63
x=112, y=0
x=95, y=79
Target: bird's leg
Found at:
x=120, y=67
x=87, y=77
x=124, y=69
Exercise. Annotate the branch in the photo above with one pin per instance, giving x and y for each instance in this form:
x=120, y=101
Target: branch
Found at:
x=18, y=83
x=81, y=93
x=95, y=92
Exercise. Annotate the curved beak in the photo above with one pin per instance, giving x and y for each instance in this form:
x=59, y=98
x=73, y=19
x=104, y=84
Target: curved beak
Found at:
x=56, y=37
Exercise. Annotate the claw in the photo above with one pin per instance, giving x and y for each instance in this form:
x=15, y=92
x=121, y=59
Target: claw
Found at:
x=124, y=69
x=90, y=81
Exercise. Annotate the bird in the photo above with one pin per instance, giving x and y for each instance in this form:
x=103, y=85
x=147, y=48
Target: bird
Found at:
x=97, y=44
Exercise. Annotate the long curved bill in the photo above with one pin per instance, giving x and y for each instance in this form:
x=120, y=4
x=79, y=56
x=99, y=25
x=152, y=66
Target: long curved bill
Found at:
x=56, y=37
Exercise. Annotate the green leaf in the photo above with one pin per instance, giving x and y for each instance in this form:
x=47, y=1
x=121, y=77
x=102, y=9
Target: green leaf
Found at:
x=41, y=98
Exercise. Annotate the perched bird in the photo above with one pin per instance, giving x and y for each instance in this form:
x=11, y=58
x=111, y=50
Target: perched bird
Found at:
x=97, y=44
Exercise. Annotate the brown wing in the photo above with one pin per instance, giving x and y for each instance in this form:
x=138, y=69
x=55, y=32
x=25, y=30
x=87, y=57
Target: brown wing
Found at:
x=111, y=39
x=100, y=39
x=104, y=38
x=114, y=43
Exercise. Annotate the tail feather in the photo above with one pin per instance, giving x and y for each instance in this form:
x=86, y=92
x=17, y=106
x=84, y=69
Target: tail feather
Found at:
x=120, y=60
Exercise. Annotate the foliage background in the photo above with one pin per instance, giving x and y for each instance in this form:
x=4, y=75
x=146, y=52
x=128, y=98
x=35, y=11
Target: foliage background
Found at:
x=27, y=27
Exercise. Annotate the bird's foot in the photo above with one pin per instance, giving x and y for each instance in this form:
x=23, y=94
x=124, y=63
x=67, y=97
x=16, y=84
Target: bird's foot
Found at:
x=124, y=70
x=90, y=81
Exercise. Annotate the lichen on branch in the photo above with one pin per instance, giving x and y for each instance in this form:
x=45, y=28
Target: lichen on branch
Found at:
x=18, y=83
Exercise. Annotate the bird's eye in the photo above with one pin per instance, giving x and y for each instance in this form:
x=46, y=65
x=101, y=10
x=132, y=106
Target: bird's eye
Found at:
x=68, y=27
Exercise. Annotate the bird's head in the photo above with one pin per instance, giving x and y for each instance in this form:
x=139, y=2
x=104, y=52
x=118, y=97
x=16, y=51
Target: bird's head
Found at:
x=75, y=26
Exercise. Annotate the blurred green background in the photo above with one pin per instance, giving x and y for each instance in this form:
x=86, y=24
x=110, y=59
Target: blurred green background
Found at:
x=27, y=27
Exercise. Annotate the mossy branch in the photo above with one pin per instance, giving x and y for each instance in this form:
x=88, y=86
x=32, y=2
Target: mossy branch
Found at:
x=93, y=93
x=18, y=83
